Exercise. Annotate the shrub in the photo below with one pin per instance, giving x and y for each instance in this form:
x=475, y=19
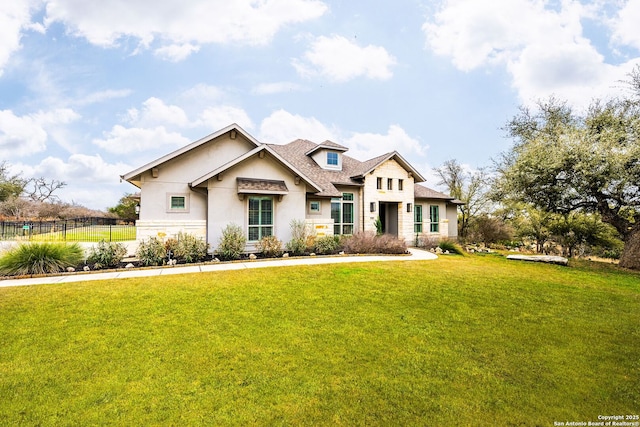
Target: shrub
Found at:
x=151, y=252
x=232, y=242
x=106, y=254
x=269, y=246
x=327, y=244
x=40, y=258
x=369, y=243
x=187, y=247
x=451, y=246
x=426, y=241
x=301, y=238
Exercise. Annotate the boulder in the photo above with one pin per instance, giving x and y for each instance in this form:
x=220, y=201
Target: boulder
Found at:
x=549, y=259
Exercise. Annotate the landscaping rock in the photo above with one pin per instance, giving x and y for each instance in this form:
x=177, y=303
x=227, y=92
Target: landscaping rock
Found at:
x=550, y=259
x=252, y=256
x=70, y=269
x=285, y=255
x=86, y=268
x=129, y=265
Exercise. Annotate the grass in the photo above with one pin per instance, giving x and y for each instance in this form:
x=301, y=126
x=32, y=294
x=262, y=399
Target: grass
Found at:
x=473, y=340
x=93, y=233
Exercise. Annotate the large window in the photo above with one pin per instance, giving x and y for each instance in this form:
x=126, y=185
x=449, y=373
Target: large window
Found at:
x=434, y=211
x=417, y=219
x=342, y=213
x=332, y=158
x=260, y=217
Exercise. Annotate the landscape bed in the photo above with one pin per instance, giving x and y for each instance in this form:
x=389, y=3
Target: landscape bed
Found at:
x=473, y=340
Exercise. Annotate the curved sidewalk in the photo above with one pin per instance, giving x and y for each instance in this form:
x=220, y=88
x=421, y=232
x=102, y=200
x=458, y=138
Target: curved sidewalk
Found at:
x=415, y=255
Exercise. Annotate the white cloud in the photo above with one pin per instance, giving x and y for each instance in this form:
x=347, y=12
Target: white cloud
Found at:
x=22, y=136
x=176, y=52
x=625, y=25
x=218, y=117
x=91, y=181
x=105, y=95
x=15, y=16
x=341, y=60
x=173, y=22
x=363, y=146
x=276, y=87
x=121, y=140
x=155, y=112
x=543, y=48
x=282, y=127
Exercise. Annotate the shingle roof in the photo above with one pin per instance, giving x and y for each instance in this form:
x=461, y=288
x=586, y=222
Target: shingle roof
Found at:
x=422, y=192
x=251, y=185
x=296, y=153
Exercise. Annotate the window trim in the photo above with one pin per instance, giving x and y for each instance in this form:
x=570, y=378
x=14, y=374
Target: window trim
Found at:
x=337, y=159
x=379, y=183
x=434, y=223
x=400, y=184
x=261, y=226
x=172, y=196
x=315, y=211
x=417, y=219
x=390, y=184
x=341, y=225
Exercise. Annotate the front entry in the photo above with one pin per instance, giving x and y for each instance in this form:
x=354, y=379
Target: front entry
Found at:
x=389, y=217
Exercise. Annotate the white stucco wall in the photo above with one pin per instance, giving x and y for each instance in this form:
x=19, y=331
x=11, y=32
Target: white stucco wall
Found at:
x=226, y=206
x=173, y=177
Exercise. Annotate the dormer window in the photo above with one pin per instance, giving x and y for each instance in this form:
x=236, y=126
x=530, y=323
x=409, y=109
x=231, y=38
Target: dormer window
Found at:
x=332, y=158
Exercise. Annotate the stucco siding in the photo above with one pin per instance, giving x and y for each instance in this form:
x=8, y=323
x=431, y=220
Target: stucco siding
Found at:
x=226, y=206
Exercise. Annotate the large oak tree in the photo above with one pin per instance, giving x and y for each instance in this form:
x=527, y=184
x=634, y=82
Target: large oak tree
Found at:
x=563, y=161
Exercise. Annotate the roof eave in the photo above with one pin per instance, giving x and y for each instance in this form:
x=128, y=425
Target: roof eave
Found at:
x=130, y=175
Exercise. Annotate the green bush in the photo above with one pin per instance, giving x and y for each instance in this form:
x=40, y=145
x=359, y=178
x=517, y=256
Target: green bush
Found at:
x=451, y=246
x=327, y=244
x=269, y=246
x=187, y=247
x=300, y=237
x=106, y=254
x=232, y=242
x=40, y=258
x=370, y=243
x=151, y=252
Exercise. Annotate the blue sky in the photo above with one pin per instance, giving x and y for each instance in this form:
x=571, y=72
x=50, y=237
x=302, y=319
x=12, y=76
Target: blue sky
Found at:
x=90, y=90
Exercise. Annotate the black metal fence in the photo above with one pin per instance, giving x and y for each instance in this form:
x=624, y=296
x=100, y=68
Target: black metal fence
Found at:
x=73, y=230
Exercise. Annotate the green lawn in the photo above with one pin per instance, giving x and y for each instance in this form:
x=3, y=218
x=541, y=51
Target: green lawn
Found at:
x=92, y=233
x=474, y=340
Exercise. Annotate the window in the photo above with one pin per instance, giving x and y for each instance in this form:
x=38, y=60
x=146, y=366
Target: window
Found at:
x=177, y=203
x=342, y=213
x=417, y=219
x=401, y=184
x=379, y=183
x=434, y=212
x=260, y=217
x=389, y=184
x=332, y=158
x=314, y=206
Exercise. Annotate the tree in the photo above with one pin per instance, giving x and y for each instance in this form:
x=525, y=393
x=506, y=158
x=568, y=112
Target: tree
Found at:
x=564, y=162
x=41, y=190
x=468, y=187
x=11, y=186
x=126, y=208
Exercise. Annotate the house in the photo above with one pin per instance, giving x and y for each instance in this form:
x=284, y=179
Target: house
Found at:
x=230, y=177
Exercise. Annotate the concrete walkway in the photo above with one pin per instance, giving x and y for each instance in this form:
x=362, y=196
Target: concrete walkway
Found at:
x=416, y=255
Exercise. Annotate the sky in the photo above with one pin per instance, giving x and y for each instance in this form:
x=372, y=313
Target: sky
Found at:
x=90, y=90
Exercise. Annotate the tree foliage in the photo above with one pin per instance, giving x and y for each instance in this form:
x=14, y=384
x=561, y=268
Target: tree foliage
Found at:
x=470, y=187
x=126, y=208
x=565, y=162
